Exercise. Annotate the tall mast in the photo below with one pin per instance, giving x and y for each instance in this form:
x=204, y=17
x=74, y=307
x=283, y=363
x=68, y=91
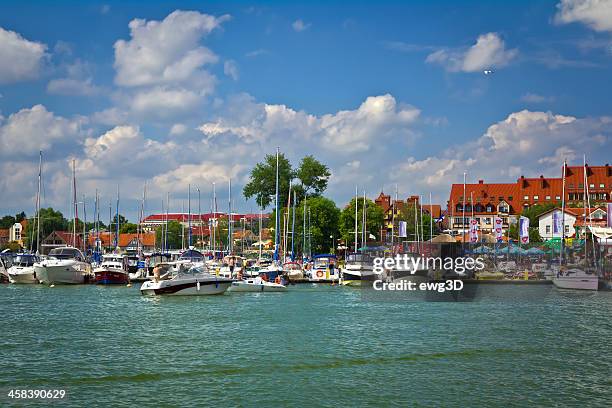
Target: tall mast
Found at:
x=393, y=219
x=74, y=205
x=463, y=212
x=200, y=219
x=260, y=211
x=189, y=216
x=309, y=236
x=167, y=211
x=430, y=219
x=563, y=216
x=293, y=230
x=38, y=204
x=356, y=210
x=229, y=219
x=277, y=214
x=84, y=225
x=214, y=224
x=363, y=222
x=585, y=192
x=117, y=213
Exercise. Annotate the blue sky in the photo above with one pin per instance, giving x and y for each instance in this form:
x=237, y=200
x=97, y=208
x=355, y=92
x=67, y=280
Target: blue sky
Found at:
x=384, y=92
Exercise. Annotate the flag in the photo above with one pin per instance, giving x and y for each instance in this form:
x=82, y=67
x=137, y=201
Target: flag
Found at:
x=474, y=230
x=440, y=219
x=498, y=228
x=610, y=215
x=402, y=229
x=524, y=230
x=557, y=223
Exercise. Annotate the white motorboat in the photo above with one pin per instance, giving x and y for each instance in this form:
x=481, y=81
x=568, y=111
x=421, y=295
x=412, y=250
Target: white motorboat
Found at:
x=65, y=265
x=359, y=266
x=576, y=279
x=324, y=268
x=293, y=270
x=22, y=270
x=232, y=266
x=256, y=285
x=3, y=273
x=195, y=281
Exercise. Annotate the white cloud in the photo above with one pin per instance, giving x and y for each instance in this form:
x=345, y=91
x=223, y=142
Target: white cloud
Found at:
x=178, y=129
x=596, y=14
x=72, y=86
x=20, y=59
x=109, y=117
x=164, y=101
x=299, y=25
x=489, y=51
x=30, y=130
x=524, y=143
x=230, y=68
x=377, y=118
x=202, y=174
x=167, y=51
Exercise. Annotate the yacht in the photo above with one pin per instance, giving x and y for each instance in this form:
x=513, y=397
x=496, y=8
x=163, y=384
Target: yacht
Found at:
x=257, y=285
x=359, y=266
x=65, y=265
x=324, y=268
x=112, y=270
x=576, y=279
x=293, y=270
x=194, y=281
x=22, y=270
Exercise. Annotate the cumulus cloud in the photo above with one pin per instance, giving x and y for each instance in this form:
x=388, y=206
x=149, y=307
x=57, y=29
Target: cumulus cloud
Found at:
x=20, y=59
x=230, y=68
x=72, y=86
x=377, y=118
x=596, y=14
x=536, y=98
x=164, y=101
x=166, y=51
x=178, y=129
x=489, y=51
x=299, y=25
x=30, y=130
x=524, y=143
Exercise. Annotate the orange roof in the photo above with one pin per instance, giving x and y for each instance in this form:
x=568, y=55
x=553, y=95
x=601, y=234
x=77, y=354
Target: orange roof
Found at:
x=147, y=239
x=4, y=233
x=67, y=237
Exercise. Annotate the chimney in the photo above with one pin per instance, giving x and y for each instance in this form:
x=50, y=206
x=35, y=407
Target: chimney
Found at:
x=542, y=181
x=608, y=170
x=480, y=181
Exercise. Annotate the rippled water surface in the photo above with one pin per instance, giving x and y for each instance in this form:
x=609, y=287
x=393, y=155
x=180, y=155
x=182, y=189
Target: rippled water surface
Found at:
x=311, y=346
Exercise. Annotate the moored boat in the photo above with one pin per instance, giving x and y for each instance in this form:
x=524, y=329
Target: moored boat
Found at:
x=65, y=265
x=324, y=268
x=576, y=279
x=257, y=285
x=195, y=282
x=112, y=270
x=22, y=270
x=293, y=270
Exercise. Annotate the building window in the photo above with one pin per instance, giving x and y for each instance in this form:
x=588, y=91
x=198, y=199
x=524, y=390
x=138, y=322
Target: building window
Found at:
x=557, y=197
x=536, y=197
x=488, y=220
x=591, y=185
x=548, y=229
x=567, y=229
x=526, y=198
x=580, y=185
x=501, y=198
x=547, y=197
x=509, y=198
x=602, y=186
x=489, y=208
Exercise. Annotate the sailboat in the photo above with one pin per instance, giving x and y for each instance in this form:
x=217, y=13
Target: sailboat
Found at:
x=65, y=265
x=22, y=270
x=574, y=278
x=276, y=268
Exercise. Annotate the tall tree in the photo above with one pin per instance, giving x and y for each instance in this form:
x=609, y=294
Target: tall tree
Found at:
x=313, y=176
x=374, y=221
x=175, y=230
x=262, y=183
x=50, y=220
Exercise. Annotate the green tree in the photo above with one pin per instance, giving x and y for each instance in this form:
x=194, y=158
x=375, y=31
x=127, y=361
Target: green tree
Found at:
x=313, y=176
x=407, y=213
x=374, y=221
x=20, y=217
x=174, y=235
x=50, y=220
x=536, y=210
x=128, y=228
x=7, y=221
x=262, y=182
x=12, y=246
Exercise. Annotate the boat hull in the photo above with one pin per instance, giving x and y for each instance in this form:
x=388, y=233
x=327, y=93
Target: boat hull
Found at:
x=185, y=288
x=22, y=275
x=62, y=274
x=576, y=282
x=111, y=277
x=241, y=286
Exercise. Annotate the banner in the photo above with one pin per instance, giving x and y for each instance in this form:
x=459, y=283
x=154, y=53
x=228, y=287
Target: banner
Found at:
x=557, y=223
x=610, y=215
x=402, y=229
x=474, y=230
x=524, y=230
x=498, y=228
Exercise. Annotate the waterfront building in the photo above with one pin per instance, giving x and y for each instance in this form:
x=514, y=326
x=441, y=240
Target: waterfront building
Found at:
x=484, y=201
x=60, y=239
x=576, y=222
x=153, y=221
x=390, y=206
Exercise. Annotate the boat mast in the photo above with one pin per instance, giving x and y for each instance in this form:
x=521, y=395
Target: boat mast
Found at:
x=304, y=233
x=585, y=193
x=277, y=214
x=214, y=224
x=293, y=230
x=74, y=205
x=260, y=211
x=430, y=218
x=363, y=222
x=117, y=230
x=309, y=236
x=229, y=219
x=167, y=211
x=84, y=225
x=393, y=220
x=38, y=204
x=356, y=223
x=200, y=219
x=563, y=217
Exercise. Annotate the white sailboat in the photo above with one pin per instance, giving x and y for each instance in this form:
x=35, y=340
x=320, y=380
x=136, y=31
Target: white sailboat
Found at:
x=575, y=278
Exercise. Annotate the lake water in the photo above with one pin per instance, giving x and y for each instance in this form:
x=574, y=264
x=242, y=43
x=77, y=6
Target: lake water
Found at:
x=311, y=346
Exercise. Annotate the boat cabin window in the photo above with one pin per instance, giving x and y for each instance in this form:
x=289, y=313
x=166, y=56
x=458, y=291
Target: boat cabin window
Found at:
x=25, y=260
x=66, y=253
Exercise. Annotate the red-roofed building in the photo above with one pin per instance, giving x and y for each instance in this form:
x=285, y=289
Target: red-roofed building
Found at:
x=384, y=202
x=154, y=220
x=507, y=200
x=575, y=219
x=60, y=239
x=128, y=242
